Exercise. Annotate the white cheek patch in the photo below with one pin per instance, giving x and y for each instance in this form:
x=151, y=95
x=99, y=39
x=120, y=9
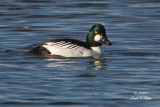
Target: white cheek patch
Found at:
x=97, y=37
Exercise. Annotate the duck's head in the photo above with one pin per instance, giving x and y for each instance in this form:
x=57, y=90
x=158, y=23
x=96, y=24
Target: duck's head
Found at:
x=97, y=36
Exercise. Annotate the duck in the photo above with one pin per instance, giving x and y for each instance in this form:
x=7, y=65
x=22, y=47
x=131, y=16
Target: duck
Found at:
x=95, y=38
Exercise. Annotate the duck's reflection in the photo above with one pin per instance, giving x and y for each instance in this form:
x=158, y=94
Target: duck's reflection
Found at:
x=77, y=63
x=98, y=64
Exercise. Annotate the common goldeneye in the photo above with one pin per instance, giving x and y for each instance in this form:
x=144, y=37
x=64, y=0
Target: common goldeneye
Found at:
x=75, y=48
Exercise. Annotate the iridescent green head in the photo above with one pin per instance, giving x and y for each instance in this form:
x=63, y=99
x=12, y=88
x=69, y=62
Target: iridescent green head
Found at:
x=97, y=36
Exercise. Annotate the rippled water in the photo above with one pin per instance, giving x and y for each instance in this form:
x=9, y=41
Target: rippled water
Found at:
x=127, y=74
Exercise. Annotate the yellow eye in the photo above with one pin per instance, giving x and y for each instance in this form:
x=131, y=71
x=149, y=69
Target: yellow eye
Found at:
x=95, y=32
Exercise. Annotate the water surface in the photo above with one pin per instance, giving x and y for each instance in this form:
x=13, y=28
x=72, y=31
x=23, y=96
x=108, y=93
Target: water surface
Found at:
x=127, y=74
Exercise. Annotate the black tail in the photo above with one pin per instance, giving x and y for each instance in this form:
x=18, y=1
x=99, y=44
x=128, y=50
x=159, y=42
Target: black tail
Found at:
x=39, y=50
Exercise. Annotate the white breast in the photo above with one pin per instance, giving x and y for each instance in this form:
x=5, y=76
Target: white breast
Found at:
x=96, y=51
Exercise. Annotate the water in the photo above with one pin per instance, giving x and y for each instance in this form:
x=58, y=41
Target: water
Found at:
x=127, y=74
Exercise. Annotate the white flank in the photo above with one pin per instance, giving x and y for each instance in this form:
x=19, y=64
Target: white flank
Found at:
x=71, y=50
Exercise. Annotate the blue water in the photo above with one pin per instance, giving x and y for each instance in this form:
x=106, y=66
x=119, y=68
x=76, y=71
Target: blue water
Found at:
x=127, y=74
